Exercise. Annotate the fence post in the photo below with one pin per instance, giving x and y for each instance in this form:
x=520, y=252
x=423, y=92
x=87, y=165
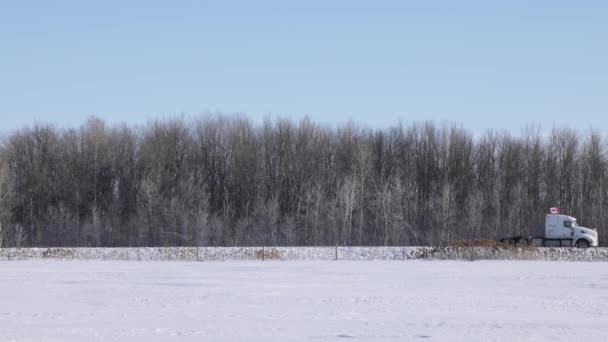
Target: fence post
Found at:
x=197, y=258
x=336, y=252
x=263, y=253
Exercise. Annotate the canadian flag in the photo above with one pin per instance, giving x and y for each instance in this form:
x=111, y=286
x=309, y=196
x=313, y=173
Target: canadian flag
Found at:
x=553, y=210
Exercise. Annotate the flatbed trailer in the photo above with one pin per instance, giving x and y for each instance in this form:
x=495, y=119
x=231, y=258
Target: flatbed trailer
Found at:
x=538, y=241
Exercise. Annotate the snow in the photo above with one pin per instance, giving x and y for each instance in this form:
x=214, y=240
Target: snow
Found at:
x=59, y=300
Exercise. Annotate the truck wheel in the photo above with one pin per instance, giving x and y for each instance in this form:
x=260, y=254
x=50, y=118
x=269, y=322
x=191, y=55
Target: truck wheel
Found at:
x=582, y=243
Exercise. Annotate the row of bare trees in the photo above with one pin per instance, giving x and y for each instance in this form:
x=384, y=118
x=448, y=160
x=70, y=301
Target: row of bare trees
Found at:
x=224, y=181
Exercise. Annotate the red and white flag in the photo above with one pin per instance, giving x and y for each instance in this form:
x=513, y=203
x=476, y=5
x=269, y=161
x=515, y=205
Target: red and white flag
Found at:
x=553, y=210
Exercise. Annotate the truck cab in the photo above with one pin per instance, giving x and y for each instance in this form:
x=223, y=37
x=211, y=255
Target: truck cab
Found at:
x=563, y=230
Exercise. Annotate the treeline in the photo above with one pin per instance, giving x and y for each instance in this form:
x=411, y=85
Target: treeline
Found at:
x=225, y=181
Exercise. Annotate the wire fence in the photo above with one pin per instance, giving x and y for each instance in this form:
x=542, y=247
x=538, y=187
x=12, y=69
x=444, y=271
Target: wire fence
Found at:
x=336, y=253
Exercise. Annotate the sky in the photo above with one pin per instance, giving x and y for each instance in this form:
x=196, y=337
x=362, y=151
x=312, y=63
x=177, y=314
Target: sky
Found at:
x=483, y=64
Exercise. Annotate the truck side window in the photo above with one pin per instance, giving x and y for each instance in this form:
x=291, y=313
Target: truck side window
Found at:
x=568, y=224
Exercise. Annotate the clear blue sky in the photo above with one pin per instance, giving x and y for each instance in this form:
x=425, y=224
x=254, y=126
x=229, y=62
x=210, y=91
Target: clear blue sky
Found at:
x=482, y=63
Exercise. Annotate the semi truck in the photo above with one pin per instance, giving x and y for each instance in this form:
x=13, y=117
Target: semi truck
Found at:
x=558, y=231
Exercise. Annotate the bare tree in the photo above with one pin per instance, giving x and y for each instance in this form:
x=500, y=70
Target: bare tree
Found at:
x=4, y=192
x=20, y=236
x=348, y=193
x=224, y=180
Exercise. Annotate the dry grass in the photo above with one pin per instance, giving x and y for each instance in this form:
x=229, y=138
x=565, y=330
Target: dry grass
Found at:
x=521, y=244
x=269, y=254
x=474, y=243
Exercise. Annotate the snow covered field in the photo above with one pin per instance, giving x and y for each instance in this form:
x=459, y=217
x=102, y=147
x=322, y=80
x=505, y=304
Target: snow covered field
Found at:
x=46, y=300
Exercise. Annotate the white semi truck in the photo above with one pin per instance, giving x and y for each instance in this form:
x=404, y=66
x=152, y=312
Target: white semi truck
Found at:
x=559, y=231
